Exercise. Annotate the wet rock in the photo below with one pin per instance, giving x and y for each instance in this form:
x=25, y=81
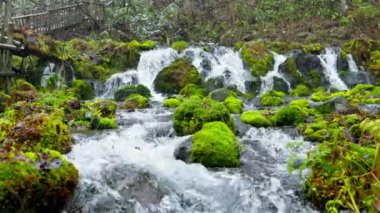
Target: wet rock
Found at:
x=189, y=55
x=241, y=128
x=338, y=105
x=372, y=109
x=253, y=86
x=220, y=94
x=215, y=83
x=280, y=85
x=183, y=151
x=354, y=78
x=206, y=65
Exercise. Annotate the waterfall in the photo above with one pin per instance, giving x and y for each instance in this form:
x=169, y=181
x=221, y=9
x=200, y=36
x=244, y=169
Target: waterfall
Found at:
x=48, y=73
x=221, y=62
x=329, y=63
x=151, y=63
x=119, y=80
x=352, y=64
x=268, y=79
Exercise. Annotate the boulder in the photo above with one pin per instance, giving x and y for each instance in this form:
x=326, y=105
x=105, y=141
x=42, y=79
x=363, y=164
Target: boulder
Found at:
x=337, y=104
x=122, y=93
x=215, y=83
x=280, y=84
x=183, y=150
x=221, y=94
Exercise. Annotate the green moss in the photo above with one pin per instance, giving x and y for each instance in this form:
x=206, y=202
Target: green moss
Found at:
x=148, y=45
x=290, y=115
x=272, y=98
x=106, y=123
x=302, y=103
x=39, y=131
x=320, y=95
x=104, y=108
x=312, y=48
x=172, y=103
x=193, y=90
x=135, y=101
x=234, y=105
x=83, y=89
x=301, y=91
x=191, y=115
x=215, y=146
x=174, y=78
x=36, y=182
x=255, y=118
x=180, y=45
x=126, y=91
x=257, y=57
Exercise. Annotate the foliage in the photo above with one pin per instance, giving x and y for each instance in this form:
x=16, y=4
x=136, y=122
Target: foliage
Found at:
x=180, y=45
x=83, y=89
x=301, y=91
x=289, y=115
x=215, y=145
x=257, y=57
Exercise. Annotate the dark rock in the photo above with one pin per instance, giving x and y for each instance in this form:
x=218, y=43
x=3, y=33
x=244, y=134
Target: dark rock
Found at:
x=280, y=85
x=253, y=86
x=354, y=78
x=183, y=151
x=206, y=65
x=215, y=83
x=189, y=55
x=220, y=94
x=338, y=105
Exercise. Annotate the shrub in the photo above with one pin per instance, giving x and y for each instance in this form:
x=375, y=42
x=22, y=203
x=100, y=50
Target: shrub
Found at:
x=83, y=89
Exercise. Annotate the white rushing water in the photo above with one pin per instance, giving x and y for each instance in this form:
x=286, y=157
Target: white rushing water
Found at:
x=221, y=62
x=329, y=62
x=47, y=74
x=268, y=80
x=133, y=169
x=352, y=64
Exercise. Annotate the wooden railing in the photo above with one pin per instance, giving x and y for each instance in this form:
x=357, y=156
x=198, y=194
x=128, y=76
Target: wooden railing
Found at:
x=54, y=19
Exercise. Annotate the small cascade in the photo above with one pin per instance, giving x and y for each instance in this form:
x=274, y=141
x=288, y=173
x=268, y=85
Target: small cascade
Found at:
x=268, y=80
x=329, y=63
x=119, y=80
x=151, y=63
x=352, y=64
x=48, y=73
x=222, y=62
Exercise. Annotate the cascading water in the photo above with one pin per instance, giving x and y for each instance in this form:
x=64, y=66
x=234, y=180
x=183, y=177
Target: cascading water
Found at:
x=221, y=62
x=47, y=74
x=329, y=62
x=352, y=64
x=119, y=80
x=268, y=80
x=134, y=170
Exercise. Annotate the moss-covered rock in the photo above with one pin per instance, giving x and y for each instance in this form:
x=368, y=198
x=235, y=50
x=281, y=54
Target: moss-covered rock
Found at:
x=192, y=114
x=302, y=103
x=83, y=89
x=122, y=93
x=257, y=57
x=221, y=94
x=148, y=45
x=104, y=107
x=172, y=103
x=103, y=123
x=180, y=45
x=35, y=182
x=234, y=105
x=272, y=98
x=290, y=115
x=215, y=146
x=193, y=90
x=135, y=101
x=23, y=91
x=255, y=118
x=40, y=131
x=301, y=91
x=172, y=79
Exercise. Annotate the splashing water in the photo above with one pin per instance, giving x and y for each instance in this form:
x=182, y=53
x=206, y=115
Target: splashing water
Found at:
x=329, y=63
x=119, y=80
x=222, y=62
x=268, y=79
x=352, y=64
